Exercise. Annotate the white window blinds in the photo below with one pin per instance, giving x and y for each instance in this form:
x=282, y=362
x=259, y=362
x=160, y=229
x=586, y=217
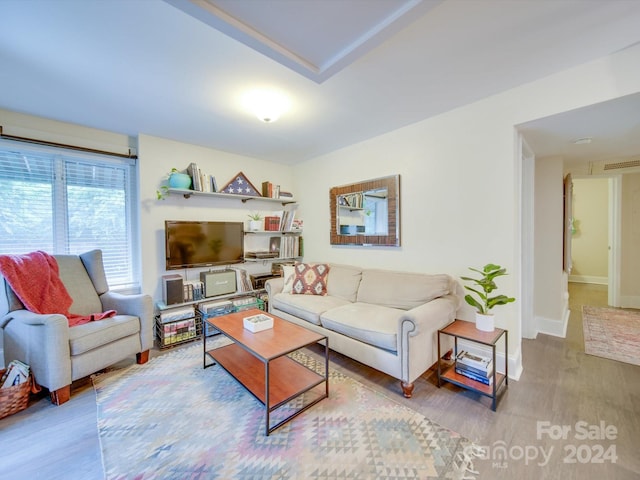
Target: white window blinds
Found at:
x=62, y=202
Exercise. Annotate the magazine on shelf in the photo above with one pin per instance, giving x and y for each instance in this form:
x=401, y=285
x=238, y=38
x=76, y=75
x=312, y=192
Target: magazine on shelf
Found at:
x=477, y=378
x=473, y=360
x=476, y=371
x=175, y=314
x=16, y=374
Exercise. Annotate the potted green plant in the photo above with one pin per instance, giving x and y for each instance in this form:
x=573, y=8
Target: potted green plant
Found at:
x=255, y=221
x=174, y=179
x=483, y=287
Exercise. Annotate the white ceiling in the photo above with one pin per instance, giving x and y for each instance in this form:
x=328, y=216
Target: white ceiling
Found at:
x=353, y=68
x=613, y=128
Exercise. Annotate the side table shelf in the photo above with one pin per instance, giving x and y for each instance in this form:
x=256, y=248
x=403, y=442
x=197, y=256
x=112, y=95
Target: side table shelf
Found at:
x=460, y=329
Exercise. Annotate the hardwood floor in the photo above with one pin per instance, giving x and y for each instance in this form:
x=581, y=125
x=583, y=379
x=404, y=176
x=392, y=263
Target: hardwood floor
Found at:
x=560, y=385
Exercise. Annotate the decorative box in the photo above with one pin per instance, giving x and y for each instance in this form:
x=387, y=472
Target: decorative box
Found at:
x=257, y=323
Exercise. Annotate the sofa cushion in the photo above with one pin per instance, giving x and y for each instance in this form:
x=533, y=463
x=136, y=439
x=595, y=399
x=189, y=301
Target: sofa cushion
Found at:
x=343, y=281
x=400, y=289
x=372, y=324
x=307, y=307
x=89, y=336
x=94, y=265
x=310, y=279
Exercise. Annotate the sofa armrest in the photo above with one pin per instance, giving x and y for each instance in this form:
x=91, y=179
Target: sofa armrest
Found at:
x=418, y=330
x=139, y=305
x=40, y=341
x=274, y=285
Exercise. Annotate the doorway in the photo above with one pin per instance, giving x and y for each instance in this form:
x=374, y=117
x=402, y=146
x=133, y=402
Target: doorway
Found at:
x=590, y=236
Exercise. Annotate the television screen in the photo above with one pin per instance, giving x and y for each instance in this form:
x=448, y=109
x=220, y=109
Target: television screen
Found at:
x=190, y=244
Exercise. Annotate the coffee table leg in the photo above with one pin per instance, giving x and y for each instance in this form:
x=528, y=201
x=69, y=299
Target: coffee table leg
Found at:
x=266, y=397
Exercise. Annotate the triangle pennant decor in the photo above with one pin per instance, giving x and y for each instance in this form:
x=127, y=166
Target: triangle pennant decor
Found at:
x=240, y=185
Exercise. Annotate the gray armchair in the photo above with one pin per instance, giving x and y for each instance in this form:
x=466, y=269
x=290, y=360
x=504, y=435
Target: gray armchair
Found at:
x=59, y=354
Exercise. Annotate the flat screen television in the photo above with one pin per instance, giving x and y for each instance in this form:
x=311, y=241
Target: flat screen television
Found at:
x=190, y=244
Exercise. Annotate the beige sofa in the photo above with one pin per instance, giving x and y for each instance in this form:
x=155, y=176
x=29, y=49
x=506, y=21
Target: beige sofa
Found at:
x=385, y=319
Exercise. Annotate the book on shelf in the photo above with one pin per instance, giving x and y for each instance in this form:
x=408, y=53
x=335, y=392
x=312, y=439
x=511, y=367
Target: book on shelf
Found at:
x=258, y=254
x=290, y=246
x=267, y=187
x=473, y=360
x=194, y=171
x=242, y=280
x=193, y=290
x=274, y=245
x=476, y=371
x=272, y=223
x=288, y=215
x=478, y=378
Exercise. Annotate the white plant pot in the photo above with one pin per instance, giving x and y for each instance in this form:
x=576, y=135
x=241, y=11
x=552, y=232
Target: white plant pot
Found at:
x=254, y=225
x=484, y=322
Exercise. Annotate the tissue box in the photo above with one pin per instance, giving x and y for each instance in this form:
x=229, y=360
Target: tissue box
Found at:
x=257, y=323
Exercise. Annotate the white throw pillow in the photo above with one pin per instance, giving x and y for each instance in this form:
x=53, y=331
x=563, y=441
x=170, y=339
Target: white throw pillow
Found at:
x=288, y=273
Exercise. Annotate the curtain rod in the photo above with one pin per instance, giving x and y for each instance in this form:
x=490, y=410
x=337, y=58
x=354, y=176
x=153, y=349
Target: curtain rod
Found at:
x=64, y=145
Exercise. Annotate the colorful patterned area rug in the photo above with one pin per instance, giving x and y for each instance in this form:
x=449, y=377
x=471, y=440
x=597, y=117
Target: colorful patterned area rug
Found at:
x=612, y=333
x=172, y=419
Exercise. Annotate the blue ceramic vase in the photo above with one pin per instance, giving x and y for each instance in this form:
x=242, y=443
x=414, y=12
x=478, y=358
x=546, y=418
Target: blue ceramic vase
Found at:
x=180, y=180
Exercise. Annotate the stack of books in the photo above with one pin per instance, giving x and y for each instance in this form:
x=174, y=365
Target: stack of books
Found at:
x=475, y=367
x=201, y=182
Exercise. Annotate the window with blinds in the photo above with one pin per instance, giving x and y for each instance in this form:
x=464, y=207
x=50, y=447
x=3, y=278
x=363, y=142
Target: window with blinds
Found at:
x=67, y=203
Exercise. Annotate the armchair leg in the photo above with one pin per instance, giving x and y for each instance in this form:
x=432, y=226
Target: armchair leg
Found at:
x=60, y=396
x=142, y=357
x=407, y=389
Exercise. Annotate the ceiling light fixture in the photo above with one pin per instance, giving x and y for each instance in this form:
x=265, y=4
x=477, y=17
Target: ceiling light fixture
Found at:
x=582, y=141
x=266, y=104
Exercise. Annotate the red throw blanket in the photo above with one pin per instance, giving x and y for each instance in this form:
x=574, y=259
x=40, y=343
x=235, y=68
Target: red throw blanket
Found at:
x=35, y=279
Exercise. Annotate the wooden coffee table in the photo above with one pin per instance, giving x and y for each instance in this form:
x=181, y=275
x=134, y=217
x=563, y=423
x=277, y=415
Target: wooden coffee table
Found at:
x=260, y=363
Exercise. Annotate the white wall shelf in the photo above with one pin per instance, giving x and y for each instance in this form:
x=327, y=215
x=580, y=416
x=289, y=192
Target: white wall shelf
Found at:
x=273, y=232
x=243, y=198
x=271, y=259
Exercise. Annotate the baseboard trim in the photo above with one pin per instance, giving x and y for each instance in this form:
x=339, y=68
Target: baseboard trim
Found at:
x=553, y=327
x=627, y=301
x=589, y=279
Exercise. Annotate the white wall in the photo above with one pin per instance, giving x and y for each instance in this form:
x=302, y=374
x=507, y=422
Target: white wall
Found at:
x=630, y=239
x=551, y=314
x=22, y=125
x=460, y=178
x=589, y=243
x=157, y=157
